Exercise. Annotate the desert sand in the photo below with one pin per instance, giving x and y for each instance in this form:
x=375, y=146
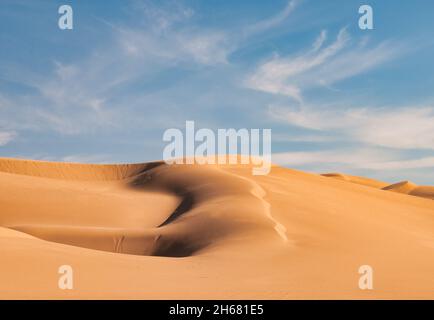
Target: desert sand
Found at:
x=158, y=231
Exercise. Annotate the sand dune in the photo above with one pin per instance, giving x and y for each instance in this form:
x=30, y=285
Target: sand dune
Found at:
x=208, y=231
x=401, y=187
x=405, y=187
x=412, y=189
x=423, y=191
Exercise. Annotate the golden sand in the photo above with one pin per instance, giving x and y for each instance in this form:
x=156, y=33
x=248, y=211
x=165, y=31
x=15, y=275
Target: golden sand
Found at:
x=209, y=231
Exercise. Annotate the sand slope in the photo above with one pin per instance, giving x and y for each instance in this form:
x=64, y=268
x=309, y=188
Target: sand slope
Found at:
x=190, y=231
x=355, y=179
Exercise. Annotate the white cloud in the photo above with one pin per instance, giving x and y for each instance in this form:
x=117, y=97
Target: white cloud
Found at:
x=319, y=66
x=100, y=90
x=164, y=15
x=279, y=137
x=319, y=41
x=6, y=137
x=402, y=128
x=273, y=21
x=169, y=35
x=206, y=47
x=350, y=159
x=425, y=162
x=353, y=158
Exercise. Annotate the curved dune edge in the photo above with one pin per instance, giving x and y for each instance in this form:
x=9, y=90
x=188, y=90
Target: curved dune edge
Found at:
x=174, y=236
x=405, y=187
x=206, y=231
x=401, y=187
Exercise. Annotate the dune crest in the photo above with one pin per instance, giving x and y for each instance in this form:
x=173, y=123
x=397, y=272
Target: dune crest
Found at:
x=71, y=171
x=401, y=187
x=412, y=189
x=355, y=179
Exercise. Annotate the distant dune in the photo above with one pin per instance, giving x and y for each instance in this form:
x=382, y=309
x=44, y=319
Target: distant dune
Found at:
x=406, y=187
x=163, y=231
x=423, y=191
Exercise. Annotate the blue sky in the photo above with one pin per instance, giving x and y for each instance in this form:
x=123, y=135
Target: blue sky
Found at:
x=337, y=98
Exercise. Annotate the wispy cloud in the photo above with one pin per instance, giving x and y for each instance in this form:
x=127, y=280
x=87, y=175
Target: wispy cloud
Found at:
x=319, y=66
x=273, y=21
x=105, y=88
x=420, y=163
x=101, y=90
x=6, y=137
x=349, y=159
x=177, y=46
x=402, y=128
x=168, y=34
x=319, y=41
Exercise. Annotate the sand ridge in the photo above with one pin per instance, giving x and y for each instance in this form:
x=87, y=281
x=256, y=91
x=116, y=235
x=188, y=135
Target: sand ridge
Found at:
x=405, y=187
